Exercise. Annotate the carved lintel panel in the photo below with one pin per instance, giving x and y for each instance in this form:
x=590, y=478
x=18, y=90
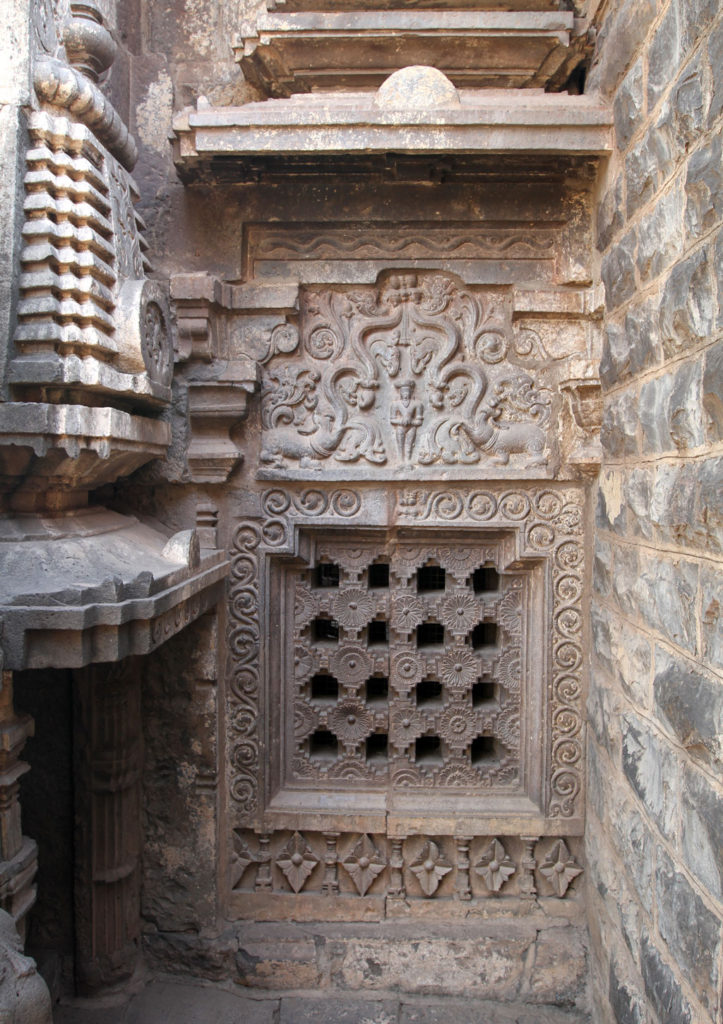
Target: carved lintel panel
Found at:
x=416, y=377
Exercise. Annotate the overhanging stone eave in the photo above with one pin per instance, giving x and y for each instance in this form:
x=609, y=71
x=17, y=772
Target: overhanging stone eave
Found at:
x=133, y=588
x=551, y=125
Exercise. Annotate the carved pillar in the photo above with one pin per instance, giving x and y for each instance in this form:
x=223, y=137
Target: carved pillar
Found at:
x=18, y=854
x=108, y=763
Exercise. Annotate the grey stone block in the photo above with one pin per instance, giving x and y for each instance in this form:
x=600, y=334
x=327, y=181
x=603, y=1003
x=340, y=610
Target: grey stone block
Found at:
x=662, y=987
x=620, y=40
x=665, y=597
x=629, y=349
x=665, y=54
x=717, y=260
x=619, y=430
x=685, y=410
x=188, y=954
x=601, y=701
x=643, y=337
x=691, y=931
x=654, y=412
x=713, y=392
x=702, y=830
x=711, y=625
x=704, y=189
x=710, y=513
x=687, y=307
x=618, y=271
x=632, y=660
x=636, y=491
x=625, y=1002
x=602, y=567
x=683, y=113
x=336, y=1009
x=697, y=16
x=642, y=174
x=621, y=913
x=660, y=237
x=632, y=841
x=674, y=503
x=625, y=578
x=597, y=766
x=652, y=770
x=615, y=359
x=715, y=62
x=628, y=106
x=610, y=214
x=689, y=704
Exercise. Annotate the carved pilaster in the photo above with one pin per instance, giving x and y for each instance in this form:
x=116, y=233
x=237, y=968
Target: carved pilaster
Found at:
x=330, y=885
x=396, y=890
x=528, y=889
x=107, y=851
x=263, y=876
x=463, y=890
x=18, y=854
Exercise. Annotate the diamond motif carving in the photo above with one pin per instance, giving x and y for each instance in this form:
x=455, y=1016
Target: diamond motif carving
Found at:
x=376, y=866
x=297, y=861
x=364, y=864
x=560, y=868
x=495, y=866
x=430, y=867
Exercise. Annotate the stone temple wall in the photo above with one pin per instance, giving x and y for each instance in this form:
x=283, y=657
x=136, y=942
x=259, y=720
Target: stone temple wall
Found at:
x=654, y=811
x=651, y=887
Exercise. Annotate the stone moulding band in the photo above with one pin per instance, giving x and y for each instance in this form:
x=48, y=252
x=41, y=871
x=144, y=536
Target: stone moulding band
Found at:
x=62, y=86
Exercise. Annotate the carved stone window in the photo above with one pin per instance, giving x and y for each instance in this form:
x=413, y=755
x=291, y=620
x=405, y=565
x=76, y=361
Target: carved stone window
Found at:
x=410, y=674
x=405, y=667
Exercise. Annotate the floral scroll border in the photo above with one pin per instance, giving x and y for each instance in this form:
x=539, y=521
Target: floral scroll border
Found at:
x=553, y=525
x=550, y=521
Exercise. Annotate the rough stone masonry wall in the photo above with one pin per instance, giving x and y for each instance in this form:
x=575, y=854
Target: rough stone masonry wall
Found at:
x=655, y=836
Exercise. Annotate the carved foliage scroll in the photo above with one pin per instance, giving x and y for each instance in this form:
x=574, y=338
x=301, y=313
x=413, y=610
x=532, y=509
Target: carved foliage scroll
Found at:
x=419, y=373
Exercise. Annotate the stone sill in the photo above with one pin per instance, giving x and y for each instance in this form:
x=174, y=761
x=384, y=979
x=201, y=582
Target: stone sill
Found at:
x=391, y=5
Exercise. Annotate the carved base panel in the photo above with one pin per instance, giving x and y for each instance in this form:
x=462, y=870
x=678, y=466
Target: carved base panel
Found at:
x=374, y=876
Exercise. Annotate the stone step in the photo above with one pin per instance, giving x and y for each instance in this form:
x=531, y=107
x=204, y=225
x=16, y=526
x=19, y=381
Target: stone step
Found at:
x=164, y=1002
